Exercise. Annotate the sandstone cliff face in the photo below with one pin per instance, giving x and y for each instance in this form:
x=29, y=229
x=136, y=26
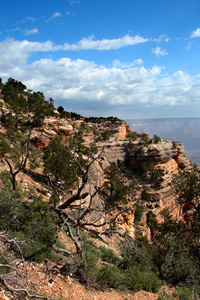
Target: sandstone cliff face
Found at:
x=166, y=157
x=153, y=153
x=123, y=130
x=114, y=150
x=52, y=126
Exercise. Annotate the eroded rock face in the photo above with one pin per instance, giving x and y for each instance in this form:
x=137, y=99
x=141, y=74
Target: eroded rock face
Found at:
x=183, y=163
x=113, y=151
x=123, y=130
x=58, y=125
x=163, y=151
x=167, y=170
x=40, y=142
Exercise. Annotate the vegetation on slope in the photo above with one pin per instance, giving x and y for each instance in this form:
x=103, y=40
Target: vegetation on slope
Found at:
x=86, y=213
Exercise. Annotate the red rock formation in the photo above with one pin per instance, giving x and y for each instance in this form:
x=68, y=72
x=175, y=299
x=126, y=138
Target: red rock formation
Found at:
x=40, y=142
x=123, y=130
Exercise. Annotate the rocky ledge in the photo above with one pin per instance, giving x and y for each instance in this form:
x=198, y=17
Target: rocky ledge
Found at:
x=141, y=154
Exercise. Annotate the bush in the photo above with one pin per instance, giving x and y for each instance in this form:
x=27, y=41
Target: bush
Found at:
x=141, y=171
x=109, y=256
x=145, y=139
x=115, y=189
x=187, y=293
x=155, y=176
x=137, y=280
x=174, y=145
x=145, y=195
x=138, y=212
x=31, y=250
x=165, y=296
x=177, y=265
x=110, y=276
x=29, y=220
x=106, y=135
x=91, y=255
x=157, y=139
x=139, y=253
x=132, y=135
x=60, y=245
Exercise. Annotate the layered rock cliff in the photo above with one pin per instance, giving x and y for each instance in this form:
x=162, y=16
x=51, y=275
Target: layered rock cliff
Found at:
x=130, y=155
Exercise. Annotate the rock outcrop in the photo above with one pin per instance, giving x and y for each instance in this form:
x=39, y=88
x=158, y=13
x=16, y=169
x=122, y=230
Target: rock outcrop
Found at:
x=153, y=153
x=114, y=150
x=123, y=130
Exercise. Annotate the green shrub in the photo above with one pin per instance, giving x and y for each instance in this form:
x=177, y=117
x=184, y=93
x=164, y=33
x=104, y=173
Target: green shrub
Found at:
x=110, y=276
x=106, y=135
x=157, y=139
x=145, y=195
x=141, y=171
x=60, y=245
x=91, y=255
x=138, y=212
x=138, y=280
x=29, y=220
x=139, y=253
x=87, y=266
x=132, y=135
x=187, y=293
x=109, y=256
x=174, y=145
x=155, y=176
x=116, y=190
x=145, y=138
x=176, y=264
x=165, y=296
x=4, y=260
x=31, y=250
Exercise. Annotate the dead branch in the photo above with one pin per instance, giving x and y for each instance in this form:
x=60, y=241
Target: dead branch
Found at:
x=15, y=291
x=59, y=250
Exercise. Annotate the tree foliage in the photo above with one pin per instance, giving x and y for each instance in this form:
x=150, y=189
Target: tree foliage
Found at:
x=22, y=101
x=187, y=188
x=115, y=189
x=31, y=219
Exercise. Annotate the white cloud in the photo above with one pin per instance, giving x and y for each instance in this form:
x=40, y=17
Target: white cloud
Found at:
x=14, y=29
x=15, y=53
x=105, y=44
x=188, y=47
x=158, y=52
x=75, y=2
x=30, y=19
x=31, y=31
x=162, y=38
x=54, y=16
x=195, y=33
x=117, y=63
x=68, y=13
x=89, y=88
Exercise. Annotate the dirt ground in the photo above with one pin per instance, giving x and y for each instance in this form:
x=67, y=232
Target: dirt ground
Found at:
x=57, y=286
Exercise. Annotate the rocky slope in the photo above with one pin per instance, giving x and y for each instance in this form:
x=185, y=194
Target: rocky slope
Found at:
x=165, y=156
x=138, y=159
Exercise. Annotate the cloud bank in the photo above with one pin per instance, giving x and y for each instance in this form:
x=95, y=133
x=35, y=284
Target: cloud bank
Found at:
x=124, y=89
x=105, y=44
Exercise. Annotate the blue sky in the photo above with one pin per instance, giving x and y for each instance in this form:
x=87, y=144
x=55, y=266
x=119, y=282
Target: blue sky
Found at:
x=127, y=58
